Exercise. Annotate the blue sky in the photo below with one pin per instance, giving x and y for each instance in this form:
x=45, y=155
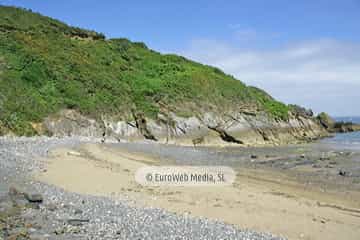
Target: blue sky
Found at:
x=304, y=52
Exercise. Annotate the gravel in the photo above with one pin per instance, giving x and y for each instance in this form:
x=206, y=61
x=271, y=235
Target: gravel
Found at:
x=66, y=215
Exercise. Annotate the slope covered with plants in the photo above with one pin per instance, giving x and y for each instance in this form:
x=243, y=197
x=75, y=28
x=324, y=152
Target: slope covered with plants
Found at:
x=46, y=66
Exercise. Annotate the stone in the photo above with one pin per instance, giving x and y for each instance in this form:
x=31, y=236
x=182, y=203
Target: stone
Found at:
x=343, y=173
x=13, y=191
x=33, y=205
x=37, y=236
x=34, y=198
x=78, y=211
x=326, y=121
x=60, y=231
x=77, y=222
x=51, y=207
x=316, y=166
x=73, y=153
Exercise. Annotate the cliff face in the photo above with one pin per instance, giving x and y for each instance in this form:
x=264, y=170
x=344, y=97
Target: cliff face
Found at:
x=207, y=129
x=61, y=80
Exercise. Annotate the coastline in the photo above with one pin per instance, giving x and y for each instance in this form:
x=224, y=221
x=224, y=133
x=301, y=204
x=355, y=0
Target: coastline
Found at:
x=292, y=191
x=67, y=215
x=265, y=199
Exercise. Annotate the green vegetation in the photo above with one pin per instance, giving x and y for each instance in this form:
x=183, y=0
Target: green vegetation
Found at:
x=46, y=66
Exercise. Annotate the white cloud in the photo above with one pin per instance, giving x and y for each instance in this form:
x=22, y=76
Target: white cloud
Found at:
x=322, y=74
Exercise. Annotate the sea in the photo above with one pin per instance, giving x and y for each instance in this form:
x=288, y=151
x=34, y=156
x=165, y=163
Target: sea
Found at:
x=345, y=140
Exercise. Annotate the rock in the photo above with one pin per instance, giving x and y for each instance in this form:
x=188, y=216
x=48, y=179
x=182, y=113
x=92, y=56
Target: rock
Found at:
x=5, y=204
x=37, y=236
x=326, y=121
x=141, y=125
x=78, y=211
x=324, y=157
x=77, y=222
x=198, y=140
x=34, y=198
x=13, y=191
x=224, y=135
x=316, y=166
x=17, y=197
x=300, y=111
x=69, y=122
x=33, y=205
x=18, y=233
x=73, y=153
x=60, y=231
x=344, y=173
x=51, y=207
x=342, y=127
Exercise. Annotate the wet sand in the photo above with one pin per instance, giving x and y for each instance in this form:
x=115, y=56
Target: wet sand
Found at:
x=303, y=201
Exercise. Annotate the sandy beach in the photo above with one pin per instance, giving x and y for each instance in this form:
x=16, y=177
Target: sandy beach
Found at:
x=260, y=199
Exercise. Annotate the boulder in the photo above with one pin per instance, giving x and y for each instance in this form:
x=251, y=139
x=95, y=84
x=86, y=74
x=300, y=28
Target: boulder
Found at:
x=326, y=121
x=34, y=197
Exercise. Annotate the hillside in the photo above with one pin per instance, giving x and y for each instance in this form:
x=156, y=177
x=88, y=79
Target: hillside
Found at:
x=47, y=66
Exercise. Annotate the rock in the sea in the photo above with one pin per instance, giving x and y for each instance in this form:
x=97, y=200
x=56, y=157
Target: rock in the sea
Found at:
x=332, y=126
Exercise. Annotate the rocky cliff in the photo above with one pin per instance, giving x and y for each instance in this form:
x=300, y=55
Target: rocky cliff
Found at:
x=206, y=129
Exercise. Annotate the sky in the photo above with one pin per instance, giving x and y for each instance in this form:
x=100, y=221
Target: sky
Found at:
x=301, y=52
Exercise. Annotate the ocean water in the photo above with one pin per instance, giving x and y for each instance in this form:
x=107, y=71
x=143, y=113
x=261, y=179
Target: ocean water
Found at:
x=345, y=140
x=348, y=119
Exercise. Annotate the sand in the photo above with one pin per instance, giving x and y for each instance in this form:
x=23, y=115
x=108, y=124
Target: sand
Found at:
x=259, y=199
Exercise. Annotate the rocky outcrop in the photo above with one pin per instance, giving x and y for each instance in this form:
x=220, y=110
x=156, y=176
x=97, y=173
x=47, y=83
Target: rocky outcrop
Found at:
x=208, y=128
x=301, y=111
x=70, y=122
x=141, y=125
x=224, y=135
x=326, y=121
x=336, y=127
x=343, y=127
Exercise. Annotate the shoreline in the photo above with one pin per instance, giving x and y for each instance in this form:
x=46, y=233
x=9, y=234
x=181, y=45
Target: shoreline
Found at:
x=269, y=195
x=68, y=215
x=261, y=203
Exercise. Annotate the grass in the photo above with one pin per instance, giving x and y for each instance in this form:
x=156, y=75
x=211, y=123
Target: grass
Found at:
x=46, y=66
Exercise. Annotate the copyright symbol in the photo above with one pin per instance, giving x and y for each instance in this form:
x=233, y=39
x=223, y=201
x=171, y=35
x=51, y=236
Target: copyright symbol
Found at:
x=149, y=177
